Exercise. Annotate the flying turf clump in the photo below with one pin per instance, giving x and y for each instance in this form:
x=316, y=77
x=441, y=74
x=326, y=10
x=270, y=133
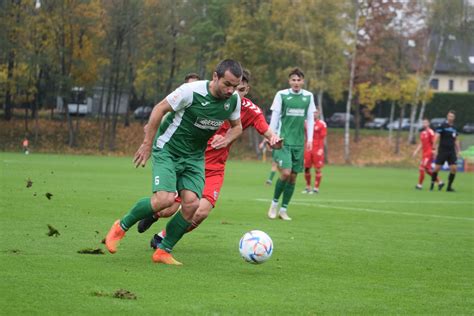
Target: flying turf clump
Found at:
x=52, y=231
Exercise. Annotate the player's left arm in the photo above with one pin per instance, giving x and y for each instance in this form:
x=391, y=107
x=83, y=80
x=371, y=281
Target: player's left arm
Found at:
x=233, y=133
x=435, y=143
x=457, y=145
x=310, y=123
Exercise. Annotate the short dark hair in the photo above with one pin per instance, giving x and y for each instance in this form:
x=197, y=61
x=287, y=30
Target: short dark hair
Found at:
x=297, y=72
x=426, y=119
x=231, y=65
x=191, y=75
x=452, y=111
x=246, y=75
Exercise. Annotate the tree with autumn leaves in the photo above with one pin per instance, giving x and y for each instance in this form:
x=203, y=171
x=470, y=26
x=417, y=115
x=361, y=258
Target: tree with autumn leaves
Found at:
x=141, y=49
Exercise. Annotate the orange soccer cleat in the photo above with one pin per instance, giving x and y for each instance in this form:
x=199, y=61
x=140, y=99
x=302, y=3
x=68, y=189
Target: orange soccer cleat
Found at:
x=161, y=256
x=115, y=234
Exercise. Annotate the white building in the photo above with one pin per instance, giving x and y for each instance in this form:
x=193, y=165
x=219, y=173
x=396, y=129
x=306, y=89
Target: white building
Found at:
x=455, y=69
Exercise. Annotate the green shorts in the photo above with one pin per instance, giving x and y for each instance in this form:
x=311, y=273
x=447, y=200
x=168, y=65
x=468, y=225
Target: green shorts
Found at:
x=290, y=157
x=274, y=155
x=173, y=173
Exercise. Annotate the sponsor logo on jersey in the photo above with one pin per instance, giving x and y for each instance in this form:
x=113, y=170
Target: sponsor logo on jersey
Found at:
x=205, y=103
x=295, y=112
x=227, y=106
x=204, y=123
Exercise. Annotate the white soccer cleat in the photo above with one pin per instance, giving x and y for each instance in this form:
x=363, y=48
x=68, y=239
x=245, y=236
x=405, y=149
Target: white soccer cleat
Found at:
x=284, y=216
x=315, y=190
x=272, y=212
x=307, y=191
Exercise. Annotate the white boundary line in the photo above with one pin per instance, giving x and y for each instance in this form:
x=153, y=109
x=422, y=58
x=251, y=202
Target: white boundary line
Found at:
x=356, y=209
x=388, y=201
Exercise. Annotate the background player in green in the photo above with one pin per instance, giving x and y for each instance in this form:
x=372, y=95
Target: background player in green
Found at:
x=290, y=108
x=197, y=109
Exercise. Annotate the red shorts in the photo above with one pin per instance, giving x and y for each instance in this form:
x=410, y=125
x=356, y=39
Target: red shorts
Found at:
x=426, y=162
x=212, y=186
x=314, y=158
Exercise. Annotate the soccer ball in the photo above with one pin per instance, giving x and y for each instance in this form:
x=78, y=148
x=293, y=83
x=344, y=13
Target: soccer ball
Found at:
x=256, y=247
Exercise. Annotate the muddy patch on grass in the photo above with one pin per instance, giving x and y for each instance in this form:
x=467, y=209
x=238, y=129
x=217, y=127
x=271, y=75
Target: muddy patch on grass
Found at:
x=125, y=295
x=29, y=183
x=12, y=251
x=48, y=195
x=91, y=251
x=120, y=294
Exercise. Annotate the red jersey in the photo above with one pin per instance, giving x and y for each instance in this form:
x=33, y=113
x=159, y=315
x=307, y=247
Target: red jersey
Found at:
x=250, y=115
x=319, y=134
x=427, y=137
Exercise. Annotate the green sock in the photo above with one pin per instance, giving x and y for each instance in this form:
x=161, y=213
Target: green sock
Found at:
x=139, y=211
x=279, y=187
x=175, y=229
x=287, y=194
x=272, y=174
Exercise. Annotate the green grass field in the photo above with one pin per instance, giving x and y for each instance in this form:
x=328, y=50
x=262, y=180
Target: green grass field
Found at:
x=367, y=244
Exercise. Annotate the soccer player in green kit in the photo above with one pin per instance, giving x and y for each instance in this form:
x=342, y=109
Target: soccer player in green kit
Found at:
x=291, y=107
x=177, y=148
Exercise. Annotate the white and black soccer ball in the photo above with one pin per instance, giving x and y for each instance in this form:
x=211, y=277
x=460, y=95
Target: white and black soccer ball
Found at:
x=256, y=247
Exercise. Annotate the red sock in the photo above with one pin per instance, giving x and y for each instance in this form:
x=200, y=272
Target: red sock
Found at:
x=307, y=177
x=422, y=176
x=317, y=183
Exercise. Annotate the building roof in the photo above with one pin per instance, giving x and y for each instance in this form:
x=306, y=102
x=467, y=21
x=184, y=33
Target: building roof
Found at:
x=457, y=55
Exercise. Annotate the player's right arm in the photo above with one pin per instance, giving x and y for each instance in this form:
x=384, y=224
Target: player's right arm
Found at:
x=417, y=149
x=144, y=151
x=177, y=100
x=276, y=112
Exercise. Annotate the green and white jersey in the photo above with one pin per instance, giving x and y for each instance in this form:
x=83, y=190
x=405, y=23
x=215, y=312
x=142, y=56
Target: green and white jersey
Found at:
x=290, y=110
x=197, y=116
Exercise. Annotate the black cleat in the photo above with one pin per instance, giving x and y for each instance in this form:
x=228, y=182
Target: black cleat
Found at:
x=432, y=186
x=155, y=241
x=450, y=190
x=440, y=186
x=146, y=223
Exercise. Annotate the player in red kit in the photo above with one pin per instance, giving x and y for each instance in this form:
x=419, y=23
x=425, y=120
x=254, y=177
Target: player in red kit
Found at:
x=427, y=137
x=251, y=116
x=315, y=157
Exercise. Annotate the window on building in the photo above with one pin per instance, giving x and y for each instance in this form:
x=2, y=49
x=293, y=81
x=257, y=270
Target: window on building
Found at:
x=451, y=85
x=434, y=84
x=470, y=86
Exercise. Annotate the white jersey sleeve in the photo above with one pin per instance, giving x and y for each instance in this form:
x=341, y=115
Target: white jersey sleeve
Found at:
x=236, y=114
x=181, y=97
x=312, y=105
x=276, y=105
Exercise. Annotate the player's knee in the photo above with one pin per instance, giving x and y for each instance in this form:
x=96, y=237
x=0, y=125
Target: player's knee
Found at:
x=190, y=204
x=285, y=174
x=161, y=200
x=200, y=216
